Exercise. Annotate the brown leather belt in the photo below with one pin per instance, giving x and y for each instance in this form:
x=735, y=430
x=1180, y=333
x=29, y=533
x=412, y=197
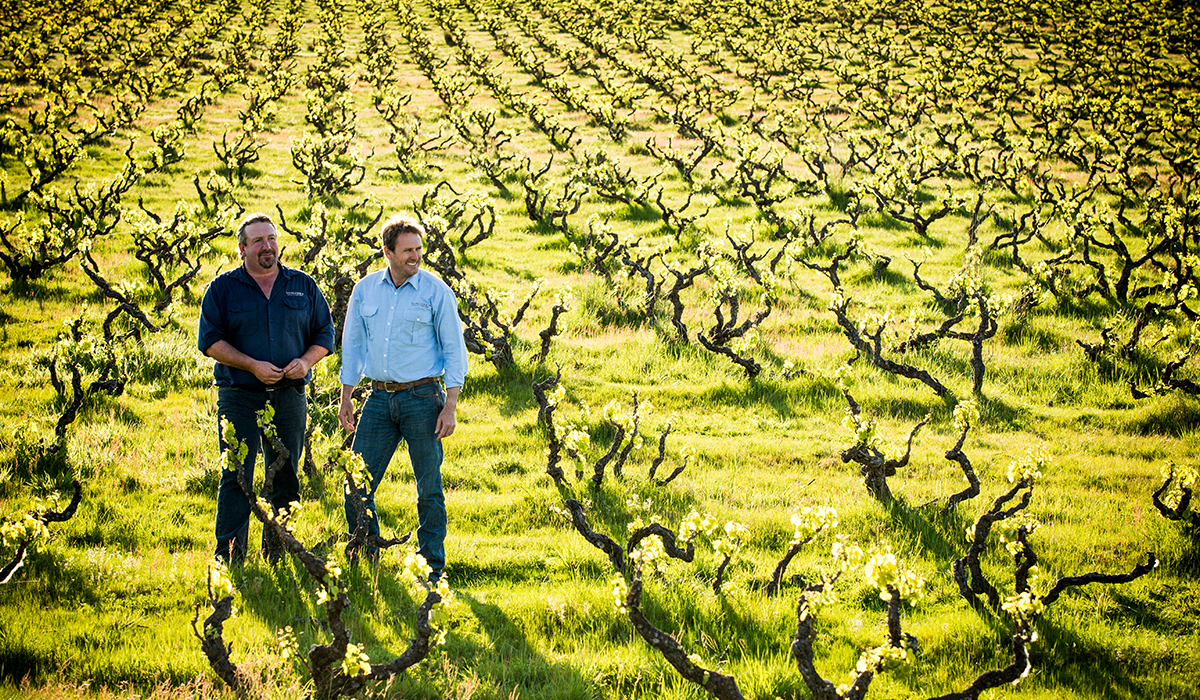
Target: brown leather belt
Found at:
x=400, y=386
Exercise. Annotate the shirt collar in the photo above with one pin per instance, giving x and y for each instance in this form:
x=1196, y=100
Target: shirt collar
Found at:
x=413, y=280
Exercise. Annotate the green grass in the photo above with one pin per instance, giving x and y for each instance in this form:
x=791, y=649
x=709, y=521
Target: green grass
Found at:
x=105, y=607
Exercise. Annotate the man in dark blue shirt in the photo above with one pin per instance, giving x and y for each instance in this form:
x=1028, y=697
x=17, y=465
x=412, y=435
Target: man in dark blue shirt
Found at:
x=266, y=325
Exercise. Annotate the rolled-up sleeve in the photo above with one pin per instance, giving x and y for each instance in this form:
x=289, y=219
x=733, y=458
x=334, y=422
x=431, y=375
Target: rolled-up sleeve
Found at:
x=212, y=320
x=321, y=330
x=450, y=337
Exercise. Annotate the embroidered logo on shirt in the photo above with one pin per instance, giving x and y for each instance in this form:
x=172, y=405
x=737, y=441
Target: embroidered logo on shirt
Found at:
x=295, y=294
x=422, y=304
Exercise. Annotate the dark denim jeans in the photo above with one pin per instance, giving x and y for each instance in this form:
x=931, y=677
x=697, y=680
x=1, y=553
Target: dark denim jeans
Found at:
x=409, y=415
x=233, y=510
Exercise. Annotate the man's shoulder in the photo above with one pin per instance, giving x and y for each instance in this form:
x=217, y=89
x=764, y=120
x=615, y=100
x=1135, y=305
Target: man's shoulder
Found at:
x=371, y=278
x=228, y=279
x=365, y=287
x=437, y=284
x=296, y=276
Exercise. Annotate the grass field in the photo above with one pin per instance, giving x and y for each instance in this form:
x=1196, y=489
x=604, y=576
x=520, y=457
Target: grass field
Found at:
x=722, y=205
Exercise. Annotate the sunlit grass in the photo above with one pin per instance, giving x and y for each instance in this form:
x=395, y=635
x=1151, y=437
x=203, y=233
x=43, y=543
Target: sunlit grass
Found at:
x=105, y=607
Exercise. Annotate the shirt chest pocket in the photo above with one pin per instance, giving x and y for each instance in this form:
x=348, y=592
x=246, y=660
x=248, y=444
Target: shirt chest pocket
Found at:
x=295, y=313
x=244, y=319
x=370, y=317
x=419, y=321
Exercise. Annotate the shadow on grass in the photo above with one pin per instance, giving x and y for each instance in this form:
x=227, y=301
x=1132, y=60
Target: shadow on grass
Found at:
x=41, y=289
x=510, y=390
x=35, y=460
x=1001, y=415
x=505, y=660
x=20, y=664
x=509, y=660
x=938, y=533
x=1184, y=560
x=884, y=221
x=1059, y=658
x=1098, y=670
x=786, y=398
x=607, y=513
x=514, y=273
x=280, y=596
x=637, y=212
x=880, y=273
x=1037, y=339
x=463, y=573
x=1064, y=657
x=907, y=408
x=76, y=660
x=1175, y=415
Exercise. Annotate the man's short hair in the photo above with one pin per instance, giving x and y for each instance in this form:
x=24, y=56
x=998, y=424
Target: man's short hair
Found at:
x=398, y=224
x=251, y=219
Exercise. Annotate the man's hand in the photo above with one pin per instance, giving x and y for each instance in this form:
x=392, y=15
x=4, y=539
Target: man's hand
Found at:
x=346, y=415
x=299, y=367
x=267, y=373
x=346, y=409
x=296, y=369
x=445, y=419
x=263, y=371
x=445, y=422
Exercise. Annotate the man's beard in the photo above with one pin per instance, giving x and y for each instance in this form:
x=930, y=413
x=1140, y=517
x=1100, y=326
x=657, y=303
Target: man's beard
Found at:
x=269, y=261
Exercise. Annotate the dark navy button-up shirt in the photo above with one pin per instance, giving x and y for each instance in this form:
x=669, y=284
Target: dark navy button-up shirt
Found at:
x=277, y=330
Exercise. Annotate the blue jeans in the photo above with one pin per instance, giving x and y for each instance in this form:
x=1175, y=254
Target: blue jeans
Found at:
x=409, y=415
x=233, y=509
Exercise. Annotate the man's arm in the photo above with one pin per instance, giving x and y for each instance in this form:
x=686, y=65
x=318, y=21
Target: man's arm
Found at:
x=299, y=367
x=346, y=409
x=226, y=354
x=449, y=333
x=445, y=421
x=354, y=357
x=354, y=341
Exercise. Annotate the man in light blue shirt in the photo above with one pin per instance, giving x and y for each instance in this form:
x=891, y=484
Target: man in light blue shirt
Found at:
x=402, y=332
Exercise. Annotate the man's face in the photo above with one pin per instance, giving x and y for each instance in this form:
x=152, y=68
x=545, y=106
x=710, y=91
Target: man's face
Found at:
x=404, y=257
x=260, y=251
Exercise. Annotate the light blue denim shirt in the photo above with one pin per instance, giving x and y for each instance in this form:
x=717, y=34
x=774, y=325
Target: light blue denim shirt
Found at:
x=402, y=334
